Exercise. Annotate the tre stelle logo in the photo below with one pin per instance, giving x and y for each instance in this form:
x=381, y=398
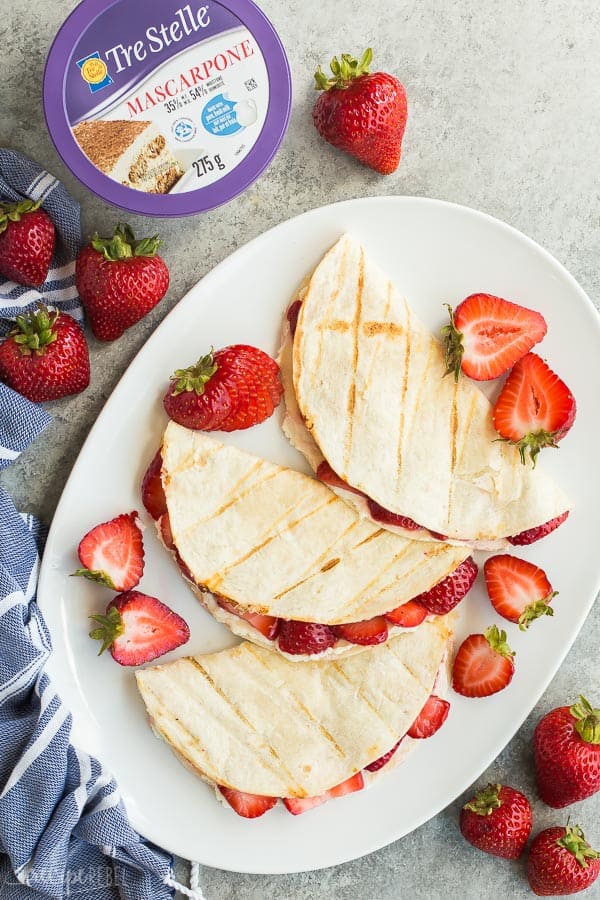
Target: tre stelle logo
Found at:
x=94, y=72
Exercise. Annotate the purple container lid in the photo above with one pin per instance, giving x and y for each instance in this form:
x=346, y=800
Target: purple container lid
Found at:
x=173, y=63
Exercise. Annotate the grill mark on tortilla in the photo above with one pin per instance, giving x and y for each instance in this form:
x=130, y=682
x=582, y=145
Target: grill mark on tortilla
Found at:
x=360, y=692
x=310, y=571
x=356, y=601
x=311, y=718
x=389, y=329
x=399, y=453
x=335, y=325
x=351, y=403
x=272, y=534
x=454, y=439
x=189, y=460
x=221, y=693
x=369, y=538
x=331, y=564
x=432, y=554
x=327, y=313
x=236, y=497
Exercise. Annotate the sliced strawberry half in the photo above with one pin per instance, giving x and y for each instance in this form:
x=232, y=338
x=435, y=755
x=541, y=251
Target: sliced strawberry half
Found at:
x=267, y=625
x=386, y=517
x=535, y=408
x=165, y=531
x=305, y=637
x=250, y=806
x=446, y=594
x=531, y=535
x=483, y=665
x=112, y=553
x=518, y=590
x=488, y=335
x=153, y=494
x=297, y=805
x=138, y=628
x=431, y=718
x=369, y=631
x=325, y=473
x=382, y=760
x=409, y=615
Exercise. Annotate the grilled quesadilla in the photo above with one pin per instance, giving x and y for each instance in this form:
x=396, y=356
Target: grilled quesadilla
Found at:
x=279, y=558
x=222, y=714
x=369, y=406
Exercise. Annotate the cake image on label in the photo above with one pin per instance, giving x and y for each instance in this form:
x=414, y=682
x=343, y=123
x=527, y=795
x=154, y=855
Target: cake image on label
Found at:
x=135, y=154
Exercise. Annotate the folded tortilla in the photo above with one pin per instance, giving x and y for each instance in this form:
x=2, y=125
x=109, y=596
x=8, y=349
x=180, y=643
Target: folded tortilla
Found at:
x=370, y=386
x=279, y=543
x=250, y=720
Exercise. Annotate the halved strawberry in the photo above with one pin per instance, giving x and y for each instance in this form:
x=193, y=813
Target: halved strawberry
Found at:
x=483, y=665
x=369, y=631
x=325, y=473
x=487, y=335
x=535, y=408
x=250, y=806
x=431, y=718
x=446, y=594
x=519, y=590
x=386, y=517
x=530, y=535
x=138, y=628
x=297, y=805
x=267, y=625
x=382, y=760
x=153, y=494
x=165, y=531
x=409, y=615
x=305, y=637
x=112, y=553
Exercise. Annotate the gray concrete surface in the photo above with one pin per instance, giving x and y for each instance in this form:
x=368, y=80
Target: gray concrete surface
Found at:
x=504, y=101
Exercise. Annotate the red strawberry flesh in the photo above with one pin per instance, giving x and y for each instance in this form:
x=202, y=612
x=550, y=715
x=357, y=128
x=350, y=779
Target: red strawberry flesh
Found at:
x=386, y=517
x=267, y=625
x=518, y=589
x=369, y=631
x=299, y=638
x=383, y=760
x=488, y=335
x=138, y=628
x=153, y=494
x=431, y=718
x=530, y=535
x=561, y=862
x=325, y=473
x=446, y=594
x=535, y=409
x=292, y=315
x=249, y=806
x=297, y=805
x=409, y=615
x=483, y=664
x=112, y=553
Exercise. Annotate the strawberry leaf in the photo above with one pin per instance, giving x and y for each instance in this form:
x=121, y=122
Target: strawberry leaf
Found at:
x=195, y=377
x=588, y=721
x=96, y=575
x=453, y=345
x=123, y=244
x=485, y=801
x=12, y=212
x=497, y=641
x=535, y=610
x=110, y=628
x=344, y=71
x=574, y=841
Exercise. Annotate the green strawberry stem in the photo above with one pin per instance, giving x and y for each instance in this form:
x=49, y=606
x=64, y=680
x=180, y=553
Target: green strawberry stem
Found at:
x=110, y=627
x=12, y=212
x=497, y=641
x=574, y=841
x=195, y=377
x=588, y=721
x=96, y=575
x=34, y=331
x=344, y=71
x=485, y=801
x=123, y=245
x=453, y=345
x=535, y=610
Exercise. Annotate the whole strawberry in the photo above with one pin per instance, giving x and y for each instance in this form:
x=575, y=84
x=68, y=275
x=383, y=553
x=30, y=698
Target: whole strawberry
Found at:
x=227, y=390
x=45, y=356
x=27, y=239
x=120, y=279
x=561, y=862
x=497, y=820
x=362, y=113
x=566, y=748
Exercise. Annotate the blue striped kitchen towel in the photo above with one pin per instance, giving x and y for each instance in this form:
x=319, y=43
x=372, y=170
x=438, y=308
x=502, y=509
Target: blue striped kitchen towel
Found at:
x=20, y=179
x=64, y=830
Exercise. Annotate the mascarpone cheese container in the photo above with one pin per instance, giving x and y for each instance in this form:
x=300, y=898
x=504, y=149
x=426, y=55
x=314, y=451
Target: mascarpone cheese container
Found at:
x=167, y=108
